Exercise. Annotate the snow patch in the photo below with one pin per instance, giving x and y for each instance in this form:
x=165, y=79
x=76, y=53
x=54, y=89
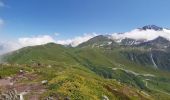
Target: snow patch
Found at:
x=153, y=59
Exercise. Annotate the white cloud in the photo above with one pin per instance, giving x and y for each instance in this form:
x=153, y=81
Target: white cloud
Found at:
x=77, y=40
x=143, y=34
x=31, y=41
x=9, y=46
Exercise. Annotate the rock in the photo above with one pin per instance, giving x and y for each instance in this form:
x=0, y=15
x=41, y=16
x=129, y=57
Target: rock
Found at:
x=21, y=95
x=20, y=71
x=104, y=97
x=44, y=82
x=49, y=66
x=50, y=98
x=9, y=77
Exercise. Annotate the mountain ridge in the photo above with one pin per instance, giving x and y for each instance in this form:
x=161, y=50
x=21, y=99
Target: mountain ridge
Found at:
x=98, y=68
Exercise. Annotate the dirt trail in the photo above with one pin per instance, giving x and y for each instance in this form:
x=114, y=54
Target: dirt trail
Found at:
x=5, y=82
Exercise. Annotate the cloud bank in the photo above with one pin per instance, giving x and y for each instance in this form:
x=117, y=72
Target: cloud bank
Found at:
x=9, y=46
x=31, y=41
x=138, y=34
x=76, y=40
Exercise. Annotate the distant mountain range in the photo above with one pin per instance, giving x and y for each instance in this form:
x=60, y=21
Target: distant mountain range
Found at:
x=122, y=39
x=105, y=41
x=158, y=47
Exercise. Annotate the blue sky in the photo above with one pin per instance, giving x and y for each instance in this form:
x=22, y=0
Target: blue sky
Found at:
x=72, y=18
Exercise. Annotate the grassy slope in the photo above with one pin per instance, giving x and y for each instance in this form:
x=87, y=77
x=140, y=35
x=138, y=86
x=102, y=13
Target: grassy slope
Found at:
x=102, y=62
x=76, y=72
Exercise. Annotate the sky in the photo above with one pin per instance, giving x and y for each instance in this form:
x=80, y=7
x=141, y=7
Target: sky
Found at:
x=67, y=20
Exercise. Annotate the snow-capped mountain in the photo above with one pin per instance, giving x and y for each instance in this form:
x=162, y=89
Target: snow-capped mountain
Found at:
x=149, y=45
x=147, y=35
x=159, y=43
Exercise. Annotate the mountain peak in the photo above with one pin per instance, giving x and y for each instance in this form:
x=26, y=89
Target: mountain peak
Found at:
x=152, y=27
x=161, y=39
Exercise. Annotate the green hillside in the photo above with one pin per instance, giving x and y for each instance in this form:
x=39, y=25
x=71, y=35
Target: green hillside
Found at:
x=87, y=73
